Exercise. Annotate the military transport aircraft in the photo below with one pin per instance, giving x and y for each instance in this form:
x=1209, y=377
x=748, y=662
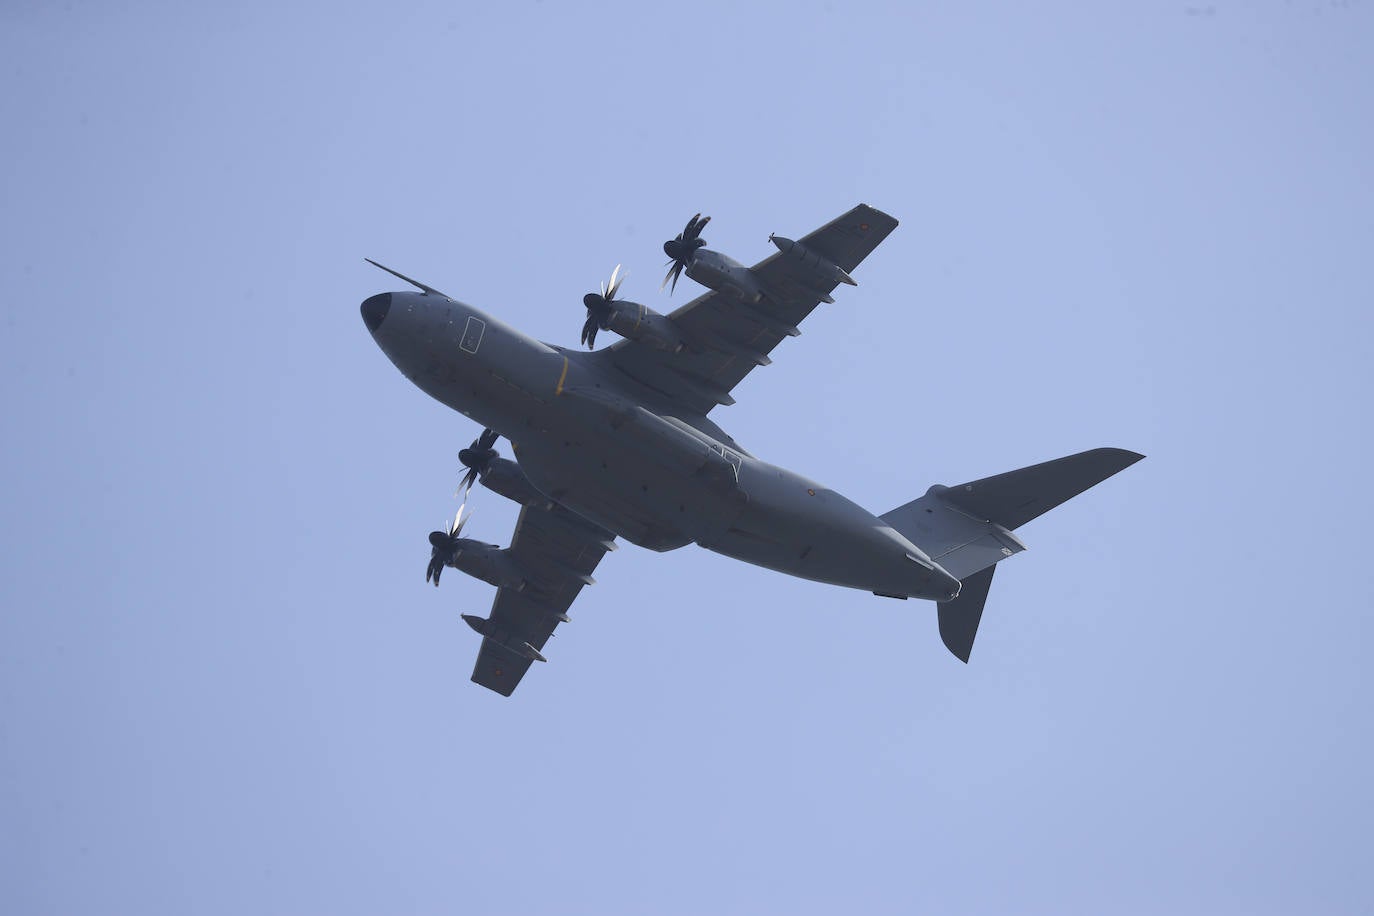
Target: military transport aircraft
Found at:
x=618, y=443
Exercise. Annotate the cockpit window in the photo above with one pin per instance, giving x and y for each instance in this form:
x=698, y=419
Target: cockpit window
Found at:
x=472, y=334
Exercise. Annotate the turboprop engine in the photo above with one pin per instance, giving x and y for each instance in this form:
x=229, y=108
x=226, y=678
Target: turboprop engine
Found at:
x=482, y=561
x=628, y=319
x=711, y=269
x=500, y=475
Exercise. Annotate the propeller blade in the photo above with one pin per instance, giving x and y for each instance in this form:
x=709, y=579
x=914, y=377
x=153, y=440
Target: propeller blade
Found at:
x=683, y=249
x=694, y=227
x=614, y=286
x=459, y=521
x=599, y=308
x=673, y=273
x=476, y=457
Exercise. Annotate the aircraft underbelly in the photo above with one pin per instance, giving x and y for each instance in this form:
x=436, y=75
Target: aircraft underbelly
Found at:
x=638, y=494
x=644, y=477
x=798, y=527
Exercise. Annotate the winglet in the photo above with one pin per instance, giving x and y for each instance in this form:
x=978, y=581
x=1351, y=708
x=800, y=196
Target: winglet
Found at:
x=427, y=290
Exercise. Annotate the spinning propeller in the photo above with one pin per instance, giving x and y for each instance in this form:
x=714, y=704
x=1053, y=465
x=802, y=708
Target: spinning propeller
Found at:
x=683, y=248
x=445, y=544
x=477, y=457
x=599, y=308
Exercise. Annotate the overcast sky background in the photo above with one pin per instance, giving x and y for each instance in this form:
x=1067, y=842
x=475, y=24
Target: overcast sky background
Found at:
x=226, y=688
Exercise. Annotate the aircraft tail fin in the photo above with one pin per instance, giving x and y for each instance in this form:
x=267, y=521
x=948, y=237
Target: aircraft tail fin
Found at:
x=959, y=618
x=967, y=529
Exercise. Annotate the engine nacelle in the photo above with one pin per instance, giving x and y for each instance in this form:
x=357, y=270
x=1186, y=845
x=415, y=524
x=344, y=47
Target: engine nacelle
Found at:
x=639, y=322
x=487, y=562
x=724, y=274
x=505, y=477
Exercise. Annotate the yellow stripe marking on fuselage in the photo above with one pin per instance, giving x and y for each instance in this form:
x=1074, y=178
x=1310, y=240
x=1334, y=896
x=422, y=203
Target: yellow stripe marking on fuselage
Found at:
x=558, y=390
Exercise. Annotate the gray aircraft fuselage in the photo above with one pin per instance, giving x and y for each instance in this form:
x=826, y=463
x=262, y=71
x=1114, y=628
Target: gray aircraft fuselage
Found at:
x=594, y=441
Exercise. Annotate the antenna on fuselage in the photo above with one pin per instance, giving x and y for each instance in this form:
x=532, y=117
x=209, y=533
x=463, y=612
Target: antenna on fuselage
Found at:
x=427, y=290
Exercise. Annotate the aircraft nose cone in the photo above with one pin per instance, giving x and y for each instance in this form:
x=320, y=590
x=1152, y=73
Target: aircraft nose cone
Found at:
x=374, y=310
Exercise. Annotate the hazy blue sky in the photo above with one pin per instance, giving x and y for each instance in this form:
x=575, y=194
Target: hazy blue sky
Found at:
x=226, y=688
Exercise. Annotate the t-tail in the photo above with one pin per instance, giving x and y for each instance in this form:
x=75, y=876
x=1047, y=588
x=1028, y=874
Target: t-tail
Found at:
x=967, y=529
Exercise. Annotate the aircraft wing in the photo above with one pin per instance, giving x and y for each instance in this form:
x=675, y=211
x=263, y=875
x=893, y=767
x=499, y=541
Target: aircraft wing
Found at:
x=558, y=551
x=728, y=338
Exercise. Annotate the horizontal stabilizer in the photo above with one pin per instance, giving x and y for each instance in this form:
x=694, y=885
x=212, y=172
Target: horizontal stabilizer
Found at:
x=969, y=527
x=1016, y=497
x=959, y=618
